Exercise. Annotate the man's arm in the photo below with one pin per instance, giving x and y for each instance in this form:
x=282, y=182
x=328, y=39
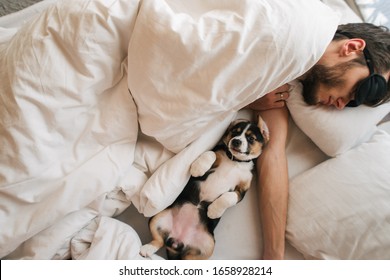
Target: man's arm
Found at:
x=273, y=184
x=273, y=175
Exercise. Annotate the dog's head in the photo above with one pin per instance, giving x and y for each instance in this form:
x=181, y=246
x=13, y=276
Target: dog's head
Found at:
x=245, y=139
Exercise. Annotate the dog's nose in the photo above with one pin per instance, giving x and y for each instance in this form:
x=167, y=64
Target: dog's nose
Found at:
x=236, y=143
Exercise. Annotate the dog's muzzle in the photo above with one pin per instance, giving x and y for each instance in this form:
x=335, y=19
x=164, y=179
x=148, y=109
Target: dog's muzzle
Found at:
x=238, y=145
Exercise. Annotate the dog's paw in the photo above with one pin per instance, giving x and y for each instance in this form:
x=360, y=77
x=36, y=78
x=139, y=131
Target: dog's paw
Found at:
x=219, y=206
x=215, y=210
x=202, y=164
x=147, y=250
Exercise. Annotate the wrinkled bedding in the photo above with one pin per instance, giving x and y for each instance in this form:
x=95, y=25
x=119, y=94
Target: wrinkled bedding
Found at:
x=107, y=103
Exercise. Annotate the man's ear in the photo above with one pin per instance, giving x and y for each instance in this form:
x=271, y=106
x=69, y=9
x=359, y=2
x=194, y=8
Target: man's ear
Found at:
x=263, y=128
x=353, y=46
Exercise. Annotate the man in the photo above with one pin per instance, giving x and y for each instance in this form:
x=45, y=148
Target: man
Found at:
x=354, y=70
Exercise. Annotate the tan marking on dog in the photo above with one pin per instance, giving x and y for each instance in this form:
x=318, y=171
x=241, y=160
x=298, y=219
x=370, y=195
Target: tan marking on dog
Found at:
x=241, y=188
x=218, y=159
x=202, y=252
x=256, y=148
x=157, y=242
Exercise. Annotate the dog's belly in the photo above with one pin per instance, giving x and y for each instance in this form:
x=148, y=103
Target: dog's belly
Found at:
x=186, y=225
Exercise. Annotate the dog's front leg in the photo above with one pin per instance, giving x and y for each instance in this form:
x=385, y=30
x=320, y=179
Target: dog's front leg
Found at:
x=226, y=200
x=202, y=164
x=219, y=206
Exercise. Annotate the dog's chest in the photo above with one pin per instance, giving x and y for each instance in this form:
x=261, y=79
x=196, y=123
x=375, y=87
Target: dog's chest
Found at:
x=225, y=178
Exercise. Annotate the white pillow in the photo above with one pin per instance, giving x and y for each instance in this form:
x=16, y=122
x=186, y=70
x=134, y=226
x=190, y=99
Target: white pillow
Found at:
x=335, y=131
x=192, y=64
x=340, y=209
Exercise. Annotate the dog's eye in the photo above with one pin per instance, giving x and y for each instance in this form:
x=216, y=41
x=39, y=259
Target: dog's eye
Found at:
x=251, y=139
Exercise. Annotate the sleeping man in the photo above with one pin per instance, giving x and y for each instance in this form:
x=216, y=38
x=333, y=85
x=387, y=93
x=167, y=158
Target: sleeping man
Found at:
x=354, y=70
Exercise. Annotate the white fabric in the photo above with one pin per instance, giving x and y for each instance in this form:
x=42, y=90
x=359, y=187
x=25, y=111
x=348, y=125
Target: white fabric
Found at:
x=69, y=126
x=107, y=239
x=347, y=15
x=340, y=209
x=375, y=11
x=222, y=55
x=166, y=183
x=335, y=131
x=65, y=140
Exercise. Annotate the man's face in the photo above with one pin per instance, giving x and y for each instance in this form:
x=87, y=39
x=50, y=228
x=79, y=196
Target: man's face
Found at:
x=333, y=85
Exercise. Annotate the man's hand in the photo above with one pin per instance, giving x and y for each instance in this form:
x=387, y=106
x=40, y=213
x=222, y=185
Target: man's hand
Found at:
x=273, y=99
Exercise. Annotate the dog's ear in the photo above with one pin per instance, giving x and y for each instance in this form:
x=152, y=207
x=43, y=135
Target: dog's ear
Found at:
x=263, y=128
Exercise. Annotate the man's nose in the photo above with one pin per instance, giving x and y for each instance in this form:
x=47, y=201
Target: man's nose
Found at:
x=340, y=103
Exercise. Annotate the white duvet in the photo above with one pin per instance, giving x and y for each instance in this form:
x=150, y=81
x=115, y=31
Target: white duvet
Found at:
x=106, y=103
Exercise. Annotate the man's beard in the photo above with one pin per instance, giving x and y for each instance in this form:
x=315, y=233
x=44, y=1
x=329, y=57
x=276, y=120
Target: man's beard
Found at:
x=328, y=77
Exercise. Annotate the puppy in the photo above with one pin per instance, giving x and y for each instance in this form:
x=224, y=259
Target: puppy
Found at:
x=219, y=180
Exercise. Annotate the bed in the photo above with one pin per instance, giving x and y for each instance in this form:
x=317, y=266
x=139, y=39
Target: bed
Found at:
x=97, y=135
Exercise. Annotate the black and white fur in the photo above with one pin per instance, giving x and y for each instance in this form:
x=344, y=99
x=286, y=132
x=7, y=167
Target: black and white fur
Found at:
x=219, y=180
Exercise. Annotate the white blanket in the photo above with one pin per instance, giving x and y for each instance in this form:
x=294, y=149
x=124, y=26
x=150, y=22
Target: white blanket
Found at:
x=79, y=80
